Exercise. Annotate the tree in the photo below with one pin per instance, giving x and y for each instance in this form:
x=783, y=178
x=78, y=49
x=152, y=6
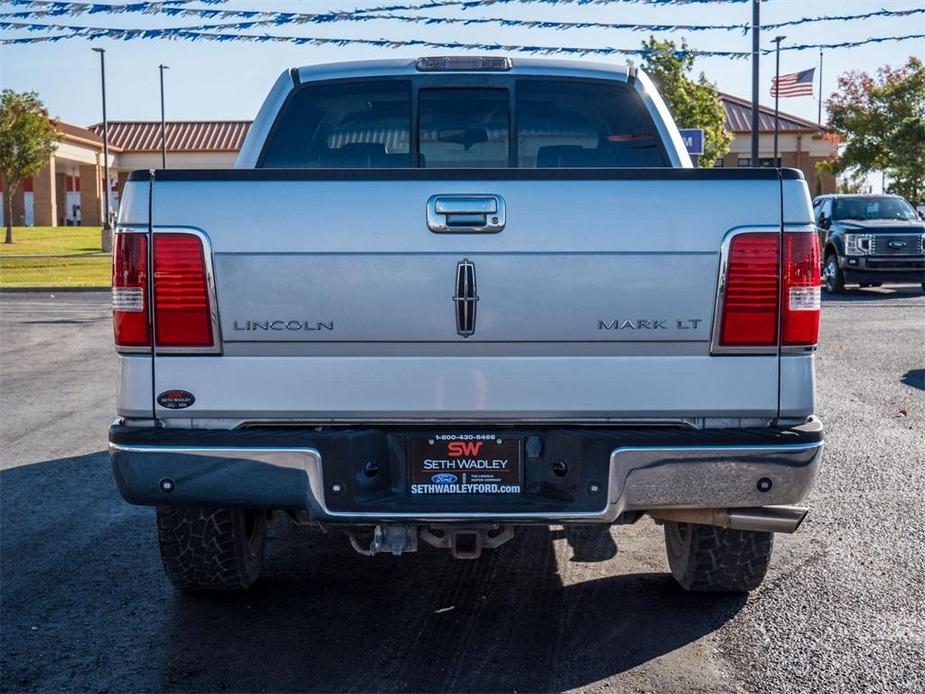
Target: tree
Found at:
x=693, y=104
x=882, y=122
x=28, y=138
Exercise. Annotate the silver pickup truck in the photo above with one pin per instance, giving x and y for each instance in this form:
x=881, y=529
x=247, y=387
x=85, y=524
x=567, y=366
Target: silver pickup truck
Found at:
x=441, y=298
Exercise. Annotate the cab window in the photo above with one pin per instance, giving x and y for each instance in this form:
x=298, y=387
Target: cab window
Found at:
x=344, y=125
x=569, y=123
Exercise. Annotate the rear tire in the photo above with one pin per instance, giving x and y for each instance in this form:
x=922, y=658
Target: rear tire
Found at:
x=211, y=549
x=704, y=558
x=832, y=275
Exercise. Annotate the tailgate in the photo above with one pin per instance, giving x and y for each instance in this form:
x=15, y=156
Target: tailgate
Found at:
x=594, y=301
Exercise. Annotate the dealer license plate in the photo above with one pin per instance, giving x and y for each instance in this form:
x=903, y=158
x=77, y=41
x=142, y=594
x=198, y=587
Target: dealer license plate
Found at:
x=465, y=464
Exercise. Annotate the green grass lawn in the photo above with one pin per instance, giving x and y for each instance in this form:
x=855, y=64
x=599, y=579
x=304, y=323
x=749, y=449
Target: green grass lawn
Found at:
x=51, y=241
x=72, y=258
x=70, y=271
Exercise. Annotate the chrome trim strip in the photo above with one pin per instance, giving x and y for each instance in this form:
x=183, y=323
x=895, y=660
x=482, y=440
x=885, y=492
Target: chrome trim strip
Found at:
x=652, y=465
x=797, y=349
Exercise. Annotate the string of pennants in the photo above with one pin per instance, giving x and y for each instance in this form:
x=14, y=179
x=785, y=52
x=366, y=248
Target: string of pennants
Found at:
x=32, y=9
x=175, y=8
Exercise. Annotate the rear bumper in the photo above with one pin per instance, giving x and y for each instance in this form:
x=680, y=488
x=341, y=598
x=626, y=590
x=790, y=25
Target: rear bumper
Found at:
x=609, y=472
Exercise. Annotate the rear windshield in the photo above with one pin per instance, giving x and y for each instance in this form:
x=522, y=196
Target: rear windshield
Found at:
x=548, y=123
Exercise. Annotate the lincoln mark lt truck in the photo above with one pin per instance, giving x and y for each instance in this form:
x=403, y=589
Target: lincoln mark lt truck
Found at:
x=439, y=299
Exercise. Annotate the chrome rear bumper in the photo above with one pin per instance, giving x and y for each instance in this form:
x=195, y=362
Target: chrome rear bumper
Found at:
x=639, y=478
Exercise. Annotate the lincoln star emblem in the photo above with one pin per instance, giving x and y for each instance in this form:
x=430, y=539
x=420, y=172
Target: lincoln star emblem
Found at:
x=465, y=298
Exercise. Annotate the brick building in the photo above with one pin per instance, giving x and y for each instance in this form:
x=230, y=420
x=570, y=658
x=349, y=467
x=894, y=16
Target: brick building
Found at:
x=801, y=144
x=69, y=188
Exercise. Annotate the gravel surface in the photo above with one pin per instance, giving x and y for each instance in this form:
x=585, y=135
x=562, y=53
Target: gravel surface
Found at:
x=84, y=605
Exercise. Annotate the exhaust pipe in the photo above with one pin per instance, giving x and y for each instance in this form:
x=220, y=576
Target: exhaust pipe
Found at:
x=775, y=519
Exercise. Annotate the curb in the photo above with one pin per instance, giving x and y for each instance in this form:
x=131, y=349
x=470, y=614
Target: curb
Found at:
x=51, y=290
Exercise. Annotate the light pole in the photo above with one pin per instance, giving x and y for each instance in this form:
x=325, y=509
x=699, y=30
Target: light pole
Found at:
x=163, y=122
x=756, y=48
x=819, y=117
x=107, y=227
x=777, y=40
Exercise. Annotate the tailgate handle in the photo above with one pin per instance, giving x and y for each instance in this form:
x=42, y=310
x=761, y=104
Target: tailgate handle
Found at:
x=465, y=214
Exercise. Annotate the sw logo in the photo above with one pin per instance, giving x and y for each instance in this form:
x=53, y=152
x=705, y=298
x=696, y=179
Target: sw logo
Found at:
x=457, y=449
x=444, y=478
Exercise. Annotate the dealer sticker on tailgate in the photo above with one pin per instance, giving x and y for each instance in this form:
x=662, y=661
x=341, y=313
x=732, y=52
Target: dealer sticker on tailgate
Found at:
x=465, y=464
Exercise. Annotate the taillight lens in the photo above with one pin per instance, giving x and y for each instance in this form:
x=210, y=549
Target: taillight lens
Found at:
x=182, y=309
x=182, y=316
x=752, y=291
x=129, y=282
x=801, y=298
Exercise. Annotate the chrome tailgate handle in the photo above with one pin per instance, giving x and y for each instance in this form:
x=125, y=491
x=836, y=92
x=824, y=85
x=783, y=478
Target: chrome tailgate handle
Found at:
x=461, y=214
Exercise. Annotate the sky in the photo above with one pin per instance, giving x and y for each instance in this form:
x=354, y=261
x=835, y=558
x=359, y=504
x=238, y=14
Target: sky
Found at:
x=209, y=80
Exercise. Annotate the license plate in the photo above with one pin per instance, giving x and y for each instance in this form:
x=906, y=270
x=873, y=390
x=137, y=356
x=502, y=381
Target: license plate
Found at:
x=465, y=464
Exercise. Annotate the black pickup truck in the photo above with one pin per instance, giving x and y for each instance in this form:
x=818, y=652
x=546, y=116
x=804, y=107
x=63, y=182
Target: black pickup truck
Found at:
x=869, y=240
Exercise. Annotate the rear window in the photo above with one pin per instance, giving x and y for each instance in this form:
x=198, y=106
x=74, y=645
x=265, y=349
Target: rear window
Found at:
x=344, y=125
x=464, y=128
x=583, y=124
x=557, y=123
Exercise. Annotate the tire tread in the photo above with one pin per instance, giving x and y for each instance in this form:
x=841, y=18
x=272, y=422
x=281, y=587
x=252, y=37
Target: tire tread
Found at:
x=204, y=549
x=719, y=559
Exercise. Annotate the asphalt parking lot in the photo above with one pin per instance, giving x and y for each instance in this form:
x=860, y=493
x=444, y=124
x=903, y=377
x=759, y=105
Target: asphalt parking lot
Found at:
x=84, y=605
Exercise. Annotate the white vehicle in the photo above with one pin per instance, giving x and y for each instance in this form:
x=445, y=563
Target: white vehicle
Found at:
x=438, y=299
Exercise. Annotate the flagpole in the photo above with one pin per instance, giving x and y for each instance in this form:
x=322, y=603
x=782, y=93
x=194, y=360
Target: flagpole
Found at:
x=756, y=23
x=777, y=40
x=819, y=117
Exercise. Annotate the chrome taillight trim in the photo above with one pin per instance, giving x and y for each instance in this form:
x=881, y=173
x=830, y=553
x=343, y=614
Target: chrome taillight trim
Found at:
x=216, y=346
x=715, y=346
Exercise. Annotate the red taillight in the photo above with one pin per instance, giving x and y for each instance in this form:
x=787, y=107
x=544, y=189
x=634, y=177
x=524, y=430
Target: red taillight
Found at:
x=181, y=308
x=129, y=282
x=182, y=316
x=801, y=293
x=751, y=292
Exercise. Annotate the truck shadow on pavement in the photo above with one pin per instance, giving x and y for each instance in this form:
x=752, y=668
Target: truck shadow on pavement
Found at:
x=86, y=607
x=914, y=378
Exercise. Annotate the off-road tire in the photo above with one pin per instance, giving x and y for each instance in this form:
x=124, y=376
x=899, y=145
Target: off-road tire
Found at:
x=705, y=558
x=833, y=277
x=211, y=549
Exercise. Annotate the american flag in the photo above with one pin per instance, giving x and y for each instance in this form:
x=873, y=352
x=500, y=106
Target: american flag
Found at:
x=794, y=84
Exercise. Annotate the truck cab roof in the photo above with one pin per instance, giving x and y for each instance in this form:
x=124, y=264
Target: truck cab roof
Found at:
x=410, y=66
